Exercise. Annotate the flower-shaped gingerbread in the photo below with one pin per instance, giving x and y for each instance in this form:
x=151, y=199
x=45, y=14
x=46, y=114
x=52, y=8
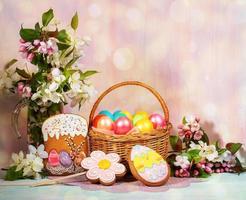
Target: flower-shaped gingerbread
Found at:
x=103, y=167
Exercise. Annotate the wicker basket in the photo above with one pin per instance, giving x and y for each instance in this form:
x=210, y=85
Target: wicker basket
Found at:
x=156, y=140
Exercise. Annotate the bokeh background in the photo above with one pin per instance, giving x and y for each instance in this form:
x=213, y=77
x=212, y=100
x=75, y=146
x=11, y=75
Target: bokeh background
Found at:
x=193, y=53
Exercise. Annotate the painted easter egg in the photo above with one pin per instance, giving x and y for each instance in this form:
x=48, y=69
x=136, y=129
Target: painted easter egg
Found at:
x=65, y=159
x=117, y=114
x=122, y=126
x=148, y=166
x=107, y=113
x=139, y=116
x=144, y=126
x=103, y=122
x=53, y=158
x=128, y=114
x=157, y=120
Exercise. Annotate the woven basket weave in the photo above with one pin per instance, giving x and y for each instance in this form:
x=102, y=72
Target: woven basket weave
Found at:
x=108, y=143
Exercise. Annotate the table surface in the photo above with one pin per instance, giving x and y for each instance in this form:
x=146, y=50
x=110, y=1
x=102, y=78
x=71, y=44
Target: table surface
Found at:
x=218, y=186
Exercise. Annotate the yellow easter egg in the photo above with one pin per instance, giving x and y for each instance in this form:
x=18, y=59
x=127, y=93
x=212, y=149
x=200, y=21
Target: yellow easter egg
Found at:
x=144, y=126
x=139, y=116
x=128, y=114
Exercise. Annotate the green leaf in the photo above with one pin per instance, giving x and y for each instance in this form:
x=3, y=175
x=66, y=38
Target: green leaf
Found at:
x=194, y=153
x=37, y=27
x=233, y=147
x=197, y=159
x=71, y=62
x=62, y=46
x=217, y=145
x=184, y=120
x=87, y=74
x=12, y=174
x=63, y=36
x=176, y=143
x=10, y=63
x=221, y=151
x=29, y=34
x=203, y=174
x=47, y=17
x=75, y=21
x=205, y=137
x=23, y=73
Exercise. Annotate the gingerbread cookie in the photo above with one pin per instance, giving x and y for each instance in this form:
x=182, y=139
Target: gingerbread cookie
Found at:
x=103, y=168
x=66, y=143
x=148, y=166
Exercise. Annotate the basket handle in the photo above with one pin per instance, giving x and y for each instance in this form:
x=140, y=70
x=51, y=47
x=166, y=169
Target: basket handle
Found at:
x=152, y=90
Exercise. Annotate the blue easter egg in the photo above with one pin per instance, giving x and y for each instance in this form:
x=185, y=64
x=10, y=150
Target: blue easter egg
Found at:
x=117, y=114
x=65, y=159
x=106, y=113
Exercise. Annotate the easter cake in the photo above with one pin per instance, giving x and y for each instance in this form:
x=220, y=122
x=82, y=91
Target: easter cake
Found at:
x=66, y=143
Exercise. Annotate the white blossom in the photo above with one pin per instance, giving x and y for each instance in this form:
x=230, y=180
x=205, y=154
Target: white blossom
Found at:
x=209, y=152
x=182, y=161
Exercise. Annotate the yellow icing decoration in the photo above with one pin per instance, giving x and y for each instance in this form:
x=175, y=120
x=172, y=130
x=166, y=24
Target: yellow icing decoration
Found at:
x=147, y=160
x=104, y=164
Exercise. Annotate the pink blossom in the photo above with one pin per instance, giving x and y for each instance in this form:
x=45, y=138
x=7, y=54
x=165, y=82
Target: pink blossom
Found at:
x=22, y=48
x=208, y=170
x=181, y=133
x=217, y=170
x=197, y=119
x=188, y=134
x=24, y=91
x=199, y=165
x=30, y=57
x=177, y=173
x=36, y=42
x=22, y=41
x=198, y=135
x=217, y=165
x=20, y=87
x=42, y=48
x=180, y=126
x=196, y=172
x=27, y=92
x=24, y=55
x=210, y=165
x=184, y=173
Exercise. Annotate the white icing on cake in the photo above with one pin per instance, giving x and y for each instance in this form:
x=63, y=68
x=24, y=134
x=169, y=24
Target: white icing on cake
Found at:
x=64, y=124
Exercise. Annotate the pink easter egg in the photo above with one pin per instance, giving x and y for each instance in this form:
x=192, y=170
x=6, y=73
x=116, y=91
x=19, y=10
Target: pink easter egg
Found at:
x=53, y=158
x=122, y=126
x=157, y=120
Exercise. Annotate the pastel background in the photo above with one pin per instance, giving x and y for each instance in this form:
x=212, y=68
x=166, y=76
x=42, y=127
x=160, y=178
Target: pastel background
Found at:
x=193, y=52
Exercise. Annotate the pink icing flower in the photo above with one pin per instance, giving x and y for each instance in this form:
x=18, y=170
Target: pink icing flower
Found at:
x=198, y=135
x=103, y=167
